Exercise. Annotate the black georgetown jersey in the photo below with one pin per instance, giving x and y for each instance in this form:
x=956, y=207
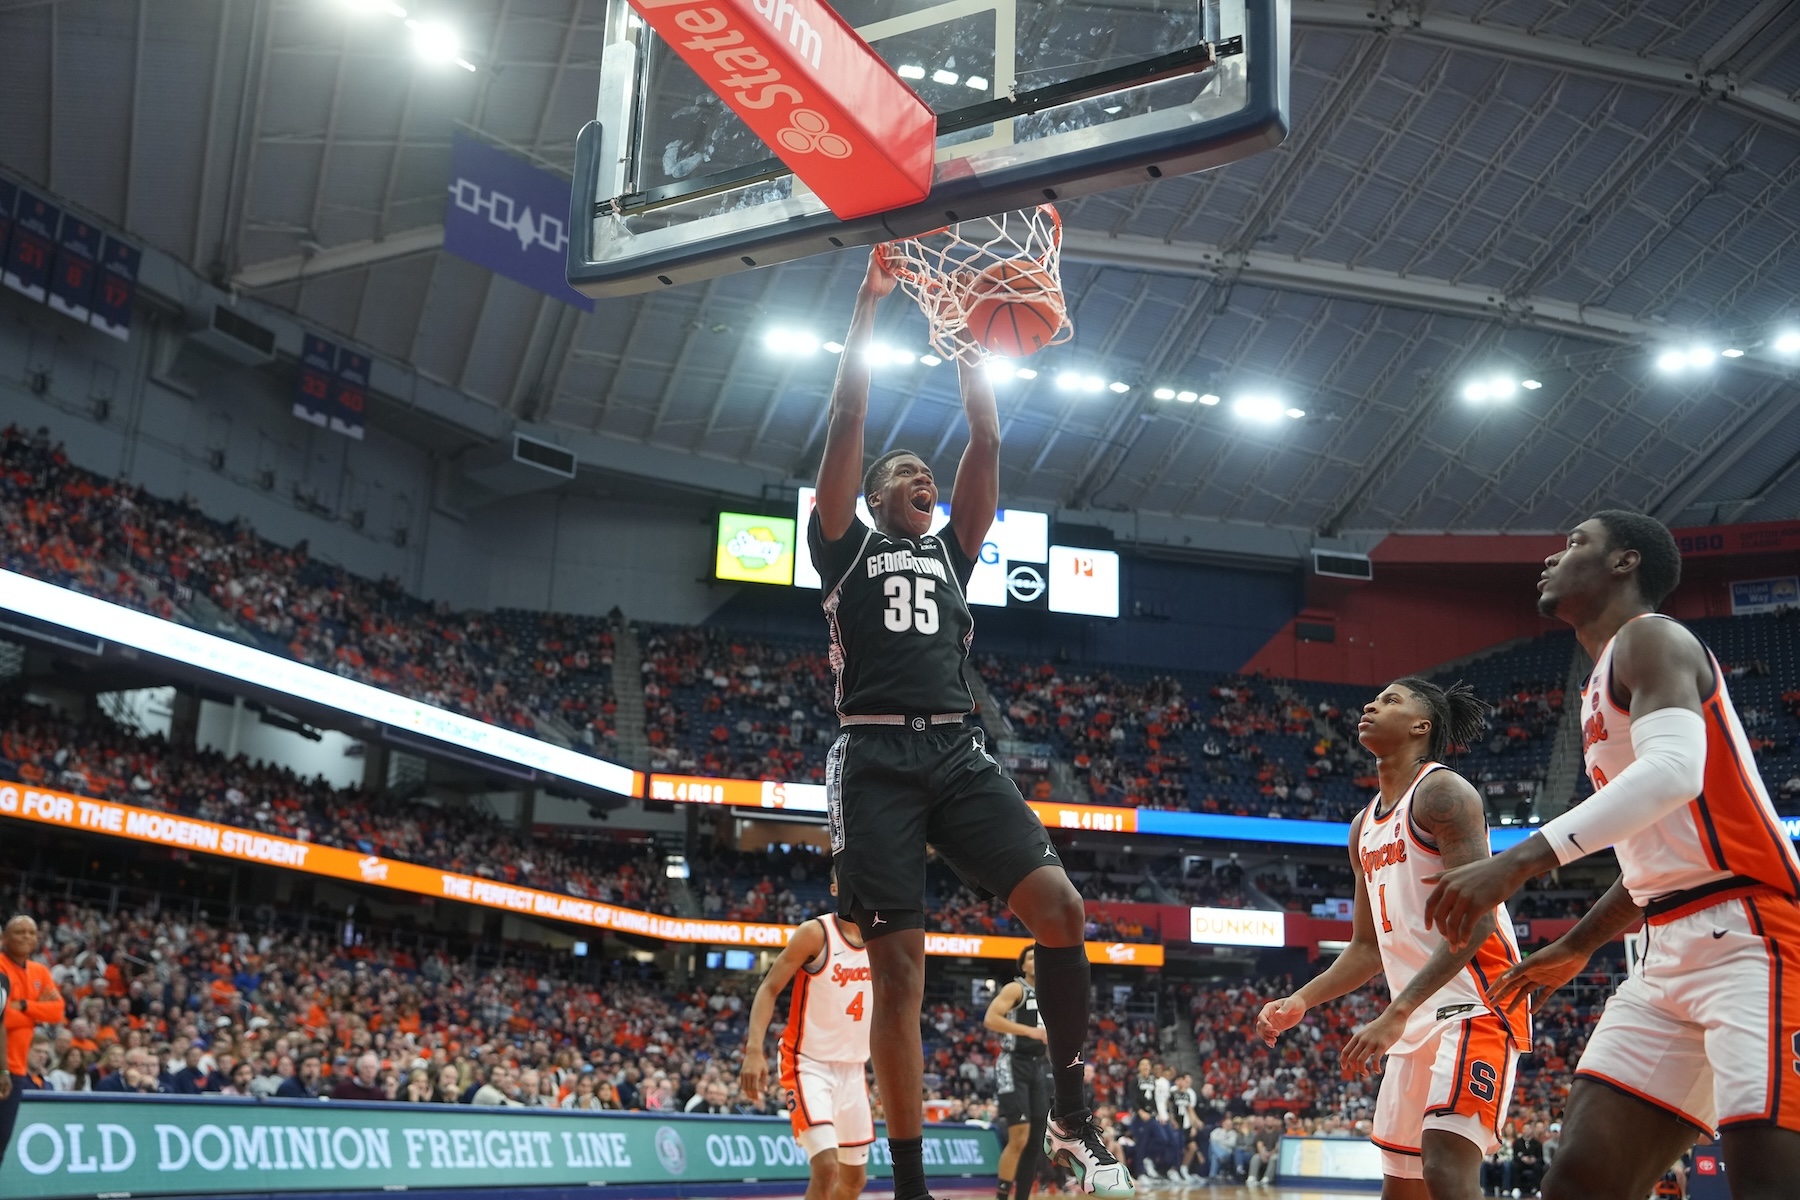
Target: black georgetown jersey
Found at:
x=900, y=624
x=1023, y=1013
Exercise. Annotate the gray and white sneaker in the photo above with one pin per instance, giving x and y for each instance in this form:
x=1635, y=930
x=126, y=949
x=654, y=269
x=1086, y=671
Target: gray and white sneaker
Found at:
x=1075, y=1142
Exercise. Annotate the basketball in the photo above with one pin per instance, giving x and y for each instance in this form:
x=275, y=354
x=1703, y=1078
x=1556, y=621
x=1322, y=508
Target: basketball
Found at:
x=1016, y=309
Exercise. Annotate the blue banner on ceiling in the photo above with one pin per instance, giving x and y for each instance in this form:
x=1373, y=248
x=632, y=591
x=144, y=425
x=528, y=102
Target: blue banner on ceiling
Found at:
x=510, y=217
x=33, y=243
x=350, y=395
x=77, y=266
x=318, y=374
x=111, y=308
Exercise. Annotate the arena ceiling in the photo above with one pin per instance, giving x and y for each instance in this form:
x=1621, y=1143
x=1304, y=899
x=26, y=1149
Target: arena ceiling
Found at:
x=1559, y=190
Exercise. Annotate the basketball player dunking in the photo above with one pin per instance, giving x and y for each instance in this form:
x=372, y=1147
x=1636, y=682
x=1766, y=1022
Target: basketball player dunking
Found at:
x=1706, y=1034
x=907, y=773
x=824, y=1050
x=1020, y=1078
x=1450, y=1057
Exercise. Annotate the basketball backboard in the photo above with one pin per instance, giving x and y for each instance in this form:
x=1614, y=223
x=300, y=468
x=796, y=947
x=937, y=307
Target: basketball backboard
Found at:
x=1036, y=100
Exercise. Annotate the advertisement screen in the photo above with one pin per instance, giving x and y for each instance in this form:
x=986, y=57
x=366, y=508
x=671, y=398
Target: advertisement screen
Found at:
x=755, y=549
x=1236, y=927
x=1085, y=582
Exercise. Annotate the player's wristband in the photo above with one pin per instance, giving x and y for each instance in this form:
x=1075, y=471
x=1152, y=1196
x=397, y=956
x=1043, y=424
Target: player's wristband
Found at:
x=1670, y=767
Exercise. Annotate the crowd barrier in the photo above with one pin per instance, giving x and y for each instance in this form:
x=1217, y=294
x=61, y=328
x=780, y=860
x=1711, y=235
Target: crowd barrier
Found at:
x=67, y=1147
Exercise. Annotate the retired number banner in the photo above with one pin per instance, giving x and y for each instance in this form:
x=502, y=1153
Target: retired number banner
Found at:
x=68, y=1146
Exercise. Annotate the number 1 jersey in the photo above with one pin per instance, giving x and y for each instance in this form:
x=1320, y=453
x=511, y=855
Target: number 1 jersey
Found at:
x=899, y=621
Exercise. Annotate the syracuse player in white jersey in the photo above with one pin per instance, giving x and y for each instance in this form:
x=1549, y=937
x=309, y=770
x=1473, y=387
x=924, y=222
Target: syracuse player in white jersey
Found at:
x=1450, y=1056
x=1706, y=1034
x=823, y=1051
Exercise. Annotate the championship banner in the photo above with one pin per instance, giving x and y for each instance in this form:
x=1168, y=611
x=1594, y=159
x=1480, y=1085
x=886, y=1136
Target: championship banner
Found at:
x=826, y=104
x=77, y=266
x=27, y=263
x=350, y=394
x=150, y=826
x=117, y=289
x=69, y=1146
x=312, y=388
x=510, y=217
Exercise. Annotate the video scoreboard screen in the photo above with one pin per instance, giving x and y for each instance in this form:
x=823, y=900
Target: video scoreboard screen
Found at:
x=1018, y=567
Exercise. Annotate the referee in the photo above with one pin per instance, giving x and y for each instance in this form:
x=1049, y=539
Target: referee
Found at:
x=1020, y=1078
x=31, y=999
x=906, y=773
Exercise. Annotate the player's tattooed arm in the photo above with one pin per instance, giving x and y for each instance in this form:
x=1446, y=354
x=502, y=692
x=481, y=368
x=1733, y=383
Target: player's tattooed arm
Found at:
x=1447, y=810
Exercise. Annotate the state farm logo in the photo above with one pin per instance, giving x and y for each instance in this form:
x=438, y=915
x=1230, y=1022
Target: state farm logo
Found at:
x=373, y=869
x=807, y=133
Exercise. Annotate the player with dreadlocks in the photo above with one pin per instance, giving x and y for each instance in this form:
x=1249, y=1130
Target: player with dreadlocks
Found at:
x=1451, y=1056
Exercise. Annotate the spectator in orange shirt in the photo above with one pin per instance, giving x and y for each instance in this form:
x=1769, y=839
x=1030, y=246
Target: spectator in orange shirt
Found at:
x=29, y=998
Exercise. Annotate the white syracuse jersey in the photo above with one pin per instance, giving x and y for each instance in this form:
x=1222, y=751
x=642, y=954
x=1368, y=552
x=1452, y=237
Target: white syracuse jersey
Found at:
x=1728, y=833
x=829, y=1010
x=1395, y=859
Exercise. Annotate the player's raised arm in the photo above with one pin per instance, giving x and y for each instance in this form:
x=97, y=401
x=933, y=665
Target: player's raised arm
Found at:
x=975, y=497
x=801, y=949
x=1662, y=666
x=840, y=473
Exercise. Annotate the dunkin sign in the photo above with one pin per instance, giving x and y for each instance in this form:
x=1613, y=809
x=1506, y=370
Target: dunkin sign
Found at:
x=817, y=95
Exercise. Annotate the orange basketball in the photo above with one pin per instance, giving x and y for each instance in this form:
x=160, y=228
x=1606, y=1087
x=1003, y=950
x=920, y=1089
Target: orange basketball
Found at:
x=1016, y=309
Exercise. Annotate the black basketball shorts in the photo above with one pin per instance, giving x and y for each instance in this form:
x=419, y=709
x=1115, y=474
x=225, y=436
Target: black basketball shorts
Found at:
x=891, y=792
x=1024, y=1090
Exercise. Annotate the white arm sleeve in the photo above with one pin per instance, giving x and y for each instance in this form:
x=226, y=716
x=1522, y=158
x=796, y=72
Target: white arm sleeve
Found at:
x=1670, y=745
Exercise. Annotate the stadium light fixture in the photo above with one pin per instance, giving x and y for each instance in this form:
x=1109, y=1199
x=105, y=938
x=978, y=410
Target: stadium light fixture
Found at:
x=1476, y=392
x=1294, y=414
x=1187, y=397
x=1788, y=341
x=910, y=71
x=1092, y=384
x=929, y=360
x=835, y=347
x=1257, y=408
x=1120, y=388
x=1731, y=352
x=435, y=41
x=999, y=370
x=1530, y=385
x=1503, y=387
x=1669, y=362
x=978, y=82
x=1026, y=373
x=1164, y=393
x=1208, y=398
x=1701, y=356
x=947, y=78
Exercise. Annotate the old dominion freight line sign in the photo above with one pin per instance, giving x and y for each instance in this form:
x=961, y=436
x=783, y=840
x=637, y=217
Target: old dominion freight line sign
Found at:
x=78, y=1146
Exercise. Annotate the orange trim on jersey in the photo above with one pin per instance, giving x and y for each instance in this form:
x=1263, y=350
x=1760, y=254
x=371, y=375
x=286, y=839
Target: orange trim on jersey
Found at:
x=1491, y=961
x=1412, y=1150
x=1626, y=1089
x=1777, y=922
x=1735, y=812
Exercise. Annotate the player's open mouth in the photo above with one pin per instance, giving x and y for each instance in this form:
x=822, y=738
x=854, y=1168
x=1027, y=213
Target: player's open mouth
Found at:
x=922, y=501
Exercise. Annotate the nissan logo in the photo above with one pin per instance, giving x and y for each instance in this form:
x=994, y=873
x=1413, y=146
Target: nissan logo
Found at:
x=1024, y=584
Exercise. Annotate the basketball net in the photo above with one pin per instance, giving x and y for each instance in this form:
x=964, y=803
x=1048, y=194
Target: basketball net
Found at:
x=942, y=269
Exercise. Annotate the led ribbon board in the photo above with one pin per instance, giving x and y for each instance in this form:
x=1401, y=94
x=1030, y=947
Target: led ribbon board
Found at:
x=151, y=827
x=232, y=660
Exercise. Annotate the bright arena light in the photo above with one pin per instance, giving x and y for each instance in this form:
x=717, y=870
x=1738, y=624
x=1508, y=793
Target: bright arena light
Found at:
x=1294, y=414
x=1258, y=408
x=835, y=347
x=1733, y=352
x=944, y=77
x=1067, y=381
x=1701, y=356
x=1027, y=373
x=1164, y=393
x=910, y=71
x=1530, y=385
x=1187, y=397
x=791, y=341
x=1671, y=361
x=435, y=41
x=1788, y=342
x=979, y=83
x=1120, y=388
x=1502, y=388
x=999, y=369
x=1208, y=398
x=929, y=360
x=1475, y=392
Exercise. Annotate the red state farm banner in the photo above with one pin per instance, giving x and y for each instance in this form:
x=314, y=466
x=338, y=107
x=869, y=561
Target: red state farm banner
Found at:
x=822, y=100
x=104, y=817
